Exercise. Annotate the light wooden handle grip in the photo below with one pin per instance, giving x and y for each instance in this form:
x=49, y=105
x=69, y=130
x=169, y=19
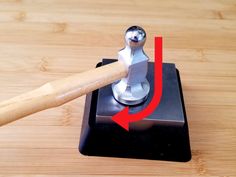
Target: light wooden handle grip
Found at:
x=58, y=92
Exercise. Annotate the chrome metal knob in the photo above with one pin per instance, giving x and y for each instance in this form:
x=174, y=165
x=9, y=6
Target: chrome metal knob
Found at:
x=134, y=88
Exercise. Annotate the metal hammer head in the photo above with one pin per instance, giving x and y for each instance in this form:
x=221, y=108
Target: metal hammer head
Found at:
x=134, y=88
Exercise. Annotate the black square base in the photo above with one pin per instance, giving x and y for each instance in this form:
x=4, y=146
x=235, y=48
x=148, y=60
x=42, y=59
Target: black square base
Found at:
x=161, y=136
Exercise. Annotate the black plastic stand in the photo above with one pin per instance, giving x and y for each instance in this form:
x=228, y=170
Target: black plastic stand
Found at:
x=163, y=135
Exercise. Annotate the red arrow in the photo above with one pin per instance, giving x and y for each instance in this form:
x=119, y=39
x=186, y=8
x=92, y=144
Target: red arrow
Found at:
x=123, y=118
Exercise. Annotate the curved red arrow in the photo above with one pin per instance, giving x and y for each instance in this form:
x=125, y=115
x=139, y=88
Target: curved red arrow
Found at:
x=123, y=118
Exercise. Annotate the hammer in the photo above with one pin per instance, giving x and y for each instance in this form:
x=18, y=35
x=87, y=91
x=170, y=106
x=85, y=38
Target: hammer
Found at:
x=128, y=75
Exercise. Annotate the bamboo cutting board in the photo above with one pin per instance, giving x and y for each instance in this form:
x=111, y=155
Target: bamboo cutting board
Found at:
x=44, y=40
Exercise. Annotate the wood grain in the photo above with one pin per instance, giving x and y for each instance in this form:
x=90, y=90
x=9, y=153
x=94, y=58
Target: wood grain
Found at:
x=59, y=92
x=44, y=40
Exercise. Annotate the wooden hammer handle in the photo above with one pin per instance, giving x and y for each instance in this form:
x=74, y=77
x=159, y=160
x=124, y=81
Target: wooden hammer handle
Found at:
x=58, y=92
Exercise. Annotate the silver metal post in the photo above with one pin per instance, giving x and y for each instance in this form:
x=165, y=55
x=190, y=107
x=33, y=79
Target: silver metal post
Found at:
x=134, y=88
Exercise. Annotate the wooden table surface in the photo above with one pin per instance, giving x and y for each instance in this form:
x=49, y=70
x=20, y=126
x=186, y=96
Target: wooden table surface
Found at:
x=45, y=40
